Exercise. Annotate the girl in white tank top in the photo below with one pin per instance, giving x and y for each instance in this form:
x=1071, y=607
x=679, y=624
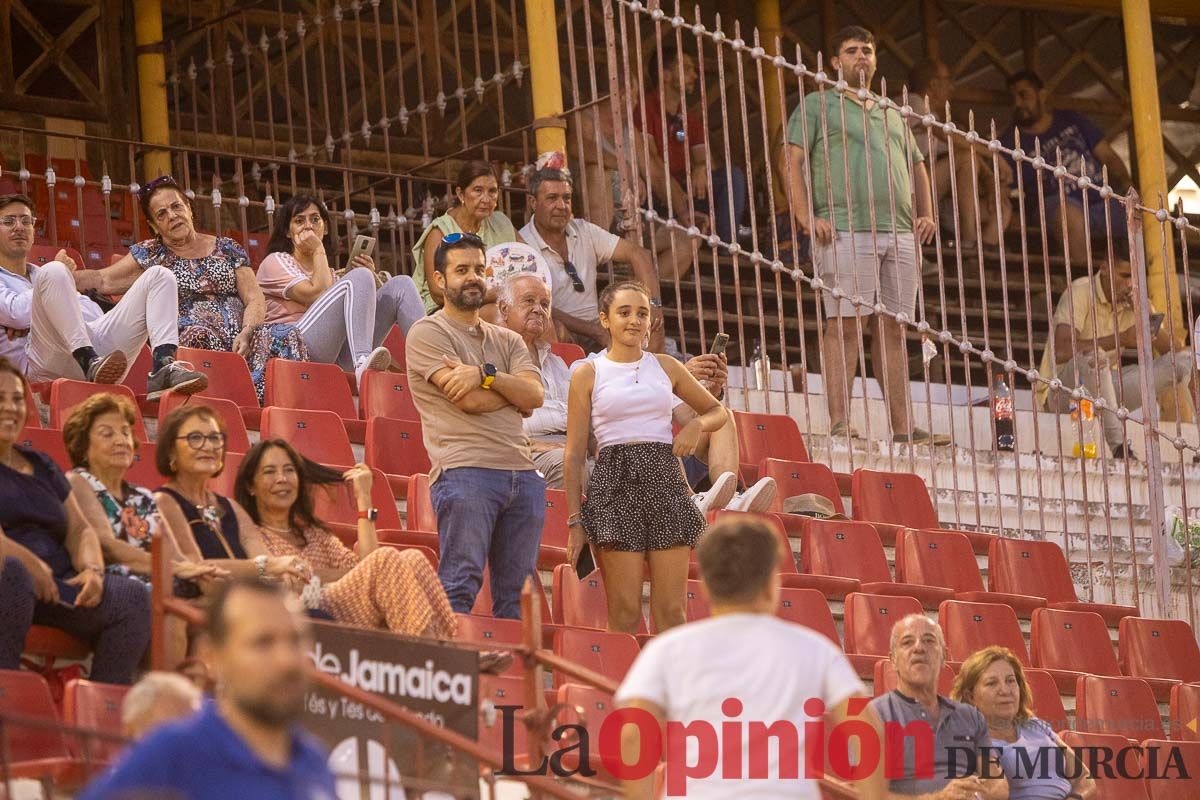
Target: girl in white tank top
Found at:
x=638, y=505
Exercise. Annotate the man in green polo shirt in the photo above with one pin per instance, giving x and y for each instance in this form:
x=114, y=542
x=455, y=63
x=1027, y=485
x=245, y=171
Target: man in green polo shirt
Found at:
x=864, y=239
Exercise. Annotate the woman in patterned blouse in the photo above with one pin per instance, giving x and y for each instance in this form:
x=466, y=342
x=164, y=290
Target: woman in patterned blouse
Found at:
x=379, y=587
x=221, y=306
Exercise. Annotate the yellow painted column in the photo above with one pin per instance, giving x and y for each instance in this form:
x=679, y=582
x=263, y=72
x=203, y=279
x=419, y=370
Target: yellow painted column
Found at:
x=770, y=27
x=550, y=130
x=152, y=85
x=1151, y=168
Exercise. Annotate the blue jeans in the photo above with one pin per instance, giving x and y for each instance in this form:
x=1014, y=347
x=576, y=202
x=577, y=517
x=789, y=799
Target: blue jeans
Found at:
x=488, y=516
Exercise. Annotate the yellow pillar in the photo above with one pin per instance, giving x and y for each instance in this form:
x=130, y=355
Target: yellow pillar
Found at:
x=550, y=130
x=1152, y=184
x=152, y=85
x=770, y=27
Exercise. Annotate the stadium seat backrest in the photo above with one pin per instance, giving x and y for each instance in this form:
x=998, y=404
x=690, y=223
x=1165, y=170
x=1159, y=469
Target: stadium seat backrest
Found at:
x=48, y=441
x=1046, y=701
x=501, y=690
x=610, y=654
x=40, y=254
x=419, y=509
x=567, y=351
x=578, y=602
x=144, y=470
x=386, y=394
x=586, y=706
x=843, y=548
x=33, y=419
x=1124, y=706
x=483, y=600
x=937, y=558
x=885, y=678
x=318, y=435
x=1185, y=712
x=1110, y=783
x=802, y=477
x=335, y=503
x=139, y=371
x=237, y=440
x=228, y=375
x=65, y=394
x=1039, y=569
x=697, y=602
x=396, y=446
x=225, y=484
x=310, y=385
x=1159, y=648
x=492, y=634
x=394, y=342
x=809, y=608
x=1071, y=640
x=1173, y=788
x=786, y=555
x=868, y=619
x=25, y=694
x=95, y=707
x=900, y=498
x=763, y=436
x=554, y=524
x=973, y=626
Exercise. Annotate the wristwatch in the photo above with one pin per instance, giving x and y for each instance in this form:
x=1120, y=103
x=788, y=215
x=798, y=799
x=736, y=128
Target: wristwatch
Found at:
x=489, y=376
x=371, y=514
x=260, y=563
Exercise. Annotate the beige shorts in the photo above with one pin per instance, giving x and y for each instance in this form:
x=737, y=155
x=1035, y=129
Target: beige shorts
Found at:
x=876, y=267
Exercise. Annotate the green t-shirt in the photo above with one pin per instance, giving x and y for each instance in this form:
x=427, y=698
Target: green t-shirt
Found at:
x=496, y=229
x=847, y=153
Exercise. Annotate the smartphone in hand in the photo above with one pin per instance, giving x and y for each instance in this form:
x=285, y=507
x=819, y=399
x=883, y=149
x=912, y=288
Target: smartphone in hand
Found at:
x=720, y=342
x=363, y=245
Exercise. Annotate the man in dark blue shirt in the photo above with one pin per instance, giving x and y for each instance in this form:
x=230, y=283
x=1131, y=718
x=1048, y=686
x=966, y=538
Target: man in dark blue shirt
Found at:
x=245, y=743
x=1083, y=150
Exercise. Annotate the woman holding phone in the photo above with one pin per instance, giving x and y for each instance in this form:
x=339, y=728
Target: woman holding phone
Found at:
x=342, y=320
x=639, y=507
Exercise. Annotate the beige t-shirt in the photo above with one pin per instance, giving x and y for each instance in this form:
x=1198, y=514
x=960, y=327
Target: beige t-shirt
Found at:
x=1084, y=307
x=454, y=438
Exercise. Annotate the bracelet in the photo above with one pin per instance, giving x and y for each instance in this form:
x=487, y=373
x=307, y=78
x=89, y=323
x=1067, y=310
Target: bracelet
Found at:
x=93, y=568
x=574, y=519
x=260, y=563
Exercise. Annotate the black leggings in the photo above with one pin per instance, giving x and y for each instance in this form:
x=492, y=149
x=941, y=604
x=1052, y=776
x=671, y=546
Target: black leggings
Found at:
x=118, y=629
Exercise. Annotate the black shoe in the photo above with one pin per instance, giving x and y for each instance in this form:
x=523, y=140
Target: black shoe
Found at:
x=107, y=369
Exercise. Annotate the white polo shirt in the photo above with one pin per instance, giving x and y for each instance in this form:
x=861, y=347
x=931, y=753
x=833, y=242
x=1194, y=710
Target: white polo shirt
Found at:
x=588, y=246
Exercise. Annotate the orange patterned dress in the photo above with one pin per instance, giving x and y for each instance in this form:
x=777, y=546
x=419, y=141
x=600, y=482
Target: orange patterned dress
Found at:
x=393, y=589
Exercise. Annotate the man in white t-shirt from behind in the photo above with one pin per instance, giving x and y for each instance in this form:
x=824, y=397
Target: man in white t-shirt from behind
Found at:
x=743, y=655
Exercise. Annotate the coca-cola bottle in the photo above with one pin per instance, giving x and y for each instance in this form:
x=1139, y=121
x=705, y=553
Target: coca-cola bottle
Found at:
x=1002, y=415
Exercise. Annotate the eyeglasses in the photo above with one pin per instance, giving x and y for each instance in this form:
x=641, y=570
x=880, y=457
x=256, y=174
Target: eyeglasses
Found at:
x=455, y=238
x=157, y=183
x=197, y=440
x=573, y=274
x=24, y=220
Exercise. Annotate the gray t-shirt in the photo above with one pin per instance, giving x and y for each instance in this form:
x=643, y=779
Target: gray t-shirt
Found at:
x=960, y=730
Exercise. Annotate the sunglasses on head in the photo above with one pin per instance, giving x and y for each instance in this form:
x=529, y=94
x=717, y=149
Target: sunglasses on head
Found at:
x=157, y=183
x=455, y=238
x=573, y=274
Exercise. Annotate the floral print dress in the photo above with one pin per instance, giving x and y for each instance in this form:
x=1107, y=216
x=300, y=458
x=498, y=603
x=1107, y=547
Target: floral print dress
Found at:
x=211, y=310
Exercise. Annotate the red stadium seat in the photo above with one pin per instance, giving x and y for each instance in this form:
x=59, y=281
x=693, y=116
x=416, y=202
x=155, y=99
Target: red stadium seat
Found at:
x=581, y=602
x=40, y=254
x=610, y=654
x=697, y=602
x=1185, y=712
x=408, y=538
x=65, y=394
x=318, y=435
x=386, y=394
x=139, y=371
x=255, y=245
x=394, y=342
x=1124, y=706
x=553, y=548
x=314, y=387
x=802, y=477
x=419, y=508
x=586, y=706
x=224, y=484
x=237, y=439
x=1160, y=651
x=48, y=441
x=52, y=644
x=1110, y=785
x=885, y=679
x=95, y=707
x=228, y=378
x=846, y=549
x=1173, y=787
x=483, y=600
x=502, y=690
x=144, y=472
x=1067, y=643
x=867, y=623
x=492, y=634
x=567, y=351
x=1020, y=566
x=396, y=447
x=33, y=418
x=945, y=558
x=335, y=503
x=39, y=749
x=900, y=498
x=807, y=607
x=973, y=626
x=763, y=436
x=1046, y=701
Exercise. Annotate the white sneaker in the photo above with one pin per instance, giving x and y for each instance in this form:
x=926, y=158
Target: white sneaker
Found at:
x=378, y=359
x=757, y=499
x=722, y=491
